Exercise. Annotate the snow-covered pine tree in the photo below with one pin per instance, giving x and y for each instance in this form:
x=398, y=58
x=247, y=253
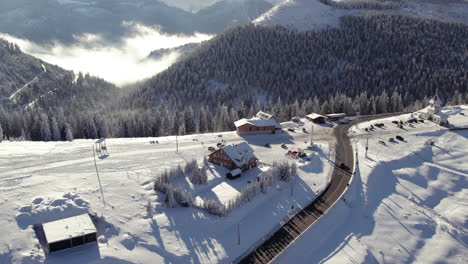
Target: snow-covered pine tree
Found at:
x=170, y=199
x=204, y=174
x=202, y=122
x=189, y=119
x=56, y=136
x=182, y=130
x=293, y=169
x=45, y=128
x=196, y=176
x=149, y=210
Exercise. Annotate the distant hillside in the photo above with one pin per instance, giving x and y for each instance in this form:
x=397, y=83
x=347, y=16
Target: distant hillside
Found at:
x=315, y=14
x=183, y=50
x=232, y=12
x=369, y=53
x=27, y=82
x=47, y=21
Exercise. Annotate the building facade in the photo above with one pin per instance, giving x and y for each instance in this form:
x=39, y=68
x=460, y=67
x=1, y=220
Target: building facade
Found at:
x=236, y=156
x=255, y=126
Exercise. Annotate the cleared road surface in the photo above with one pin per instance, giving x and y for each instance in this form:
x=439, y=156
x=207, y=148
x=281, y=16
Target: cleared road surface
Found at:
x=284, y=236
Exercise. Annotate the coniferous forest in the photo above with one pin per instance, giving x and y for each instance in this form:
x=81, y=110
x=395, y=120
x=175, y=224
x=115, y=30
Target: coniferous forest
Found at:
x=374, y=63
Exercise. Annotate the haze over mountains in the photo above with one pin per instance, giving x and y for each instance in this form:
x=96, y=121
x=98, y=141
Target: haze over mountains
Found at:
x=112, y=39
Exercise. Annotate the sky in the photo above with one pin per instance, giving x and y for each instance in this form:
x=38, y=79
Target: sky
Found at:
x=120, y=64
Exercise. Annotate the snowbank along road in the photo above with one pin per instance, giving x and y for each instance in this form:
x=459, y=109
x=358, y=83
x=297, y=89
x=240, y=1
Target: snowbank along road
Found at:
x=341, y=177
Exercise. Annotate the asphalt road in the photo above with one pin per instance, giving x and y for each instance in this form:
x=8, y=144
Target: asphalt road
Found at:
x=284, y=236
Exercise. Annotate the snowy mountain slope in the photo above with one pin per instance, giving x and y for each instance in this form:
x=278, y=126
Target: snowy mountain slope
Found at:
x=57, y=179
x=313, y=14
x=406, y=204
x=197, y=5
x=303, y=15
x=26, y=80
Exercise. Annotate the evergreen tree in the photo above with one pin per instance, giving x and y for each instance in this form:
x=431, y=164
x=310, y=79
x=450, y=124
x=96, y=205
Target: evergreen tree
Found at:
x=189, y=119
x=46, y=134
x=55, y=130
x=149, y=210
x=68, y=132
x=170, y=199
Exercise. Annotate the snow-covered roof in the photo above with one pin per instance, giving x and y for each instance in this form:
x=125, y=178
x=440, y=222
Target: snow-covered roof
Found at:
x=236, y=172
x=314, y=116
x=426, y=110
x=338, y=115
x=67, y=228
x=264, y=116
x=240, y=153
x=256, y=122
x=436, y=101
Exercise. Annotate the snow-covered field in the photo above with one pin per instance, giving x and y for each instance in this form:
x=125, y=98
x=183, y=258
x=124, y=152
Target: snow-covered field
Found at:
x=407, y=202
x=40, y=182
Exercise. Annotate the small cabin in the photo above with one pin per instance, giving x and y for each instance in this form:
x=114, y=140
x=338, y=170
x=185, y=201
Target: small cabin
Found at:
x=69, y=232
x=316, y=118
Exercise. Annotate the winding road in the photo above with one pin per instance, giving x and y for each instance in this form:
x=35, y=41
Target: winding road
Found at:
x=341, y=178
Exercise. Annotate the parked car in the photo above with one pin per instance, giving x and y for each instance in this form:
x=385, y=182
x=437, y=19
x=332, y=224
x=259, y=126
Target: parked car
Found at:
x=462, y=113
x=382, y=143
x=366, y=129
x=395, y=122
x=400, y=138
x=284, y=146
x=267, y=145
x=290, y=129
x=304, y=130
x=392, y=140
x=211, y=149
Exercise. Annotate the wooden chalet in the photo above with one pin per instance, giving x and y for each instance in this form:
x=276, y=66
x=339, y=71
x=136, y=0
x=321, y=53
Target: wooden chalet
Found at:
x=237, y=156
x=316, y=118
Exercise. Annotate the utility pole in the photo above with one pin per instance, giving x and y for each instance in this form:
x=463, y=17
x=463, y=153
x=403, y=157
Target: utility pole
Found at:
x=367, y=145
x=97, y=173
x=177, y=144
x=311, y=135
x=357, y=160
x=292, y=204
x=238, y=233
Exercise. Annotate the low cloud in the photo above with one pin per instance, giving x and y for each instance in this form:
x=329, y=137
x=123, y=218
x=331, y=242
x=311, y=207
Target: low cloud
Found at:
x=121, y=63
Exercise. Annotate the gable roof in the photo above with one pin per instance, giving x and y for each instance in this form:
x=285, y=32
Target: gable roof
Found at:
x=315, y=116
x=240, y=153
x=264, y=116
x=256, y=122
